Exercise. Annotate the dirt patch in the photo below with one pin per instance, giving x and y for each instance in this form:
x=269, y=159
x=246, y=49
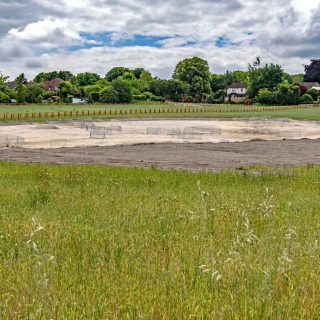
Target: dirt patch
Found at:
x=195, y=156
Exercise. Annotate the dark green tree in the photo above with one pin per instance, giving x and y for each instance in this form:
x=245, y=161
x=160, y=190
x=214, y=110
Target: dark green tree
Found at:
x=194, y=71
x=115, y=73
x=87, y=78
x=312, y=71
x=124, y=90
x=109, y=95
x=20, y=90
x=65, y=88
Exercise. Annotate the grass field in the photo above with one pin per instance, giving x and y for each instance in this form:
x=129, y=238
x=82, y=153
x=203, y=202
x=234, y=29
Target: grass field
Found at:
x=102, y=242
x=302, y=114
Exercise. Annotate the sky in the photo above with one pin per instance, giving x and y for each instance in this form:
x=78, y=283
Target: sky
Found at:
x=96, y=35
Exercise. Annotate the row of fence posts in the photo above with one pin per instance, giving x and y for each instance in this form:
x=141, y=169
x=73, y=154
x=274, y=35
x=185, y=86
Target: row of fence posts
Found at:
x=58, y=114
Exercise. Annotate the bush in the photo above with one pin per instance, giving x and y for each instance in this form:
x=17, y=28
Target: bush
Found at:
x=139, y=97
x=4, y=98
x=157, y=98
x=94, y=96
x=265, y=96
x=109, y=95
x=306, y=99
x=314, y=93
x=148, y=94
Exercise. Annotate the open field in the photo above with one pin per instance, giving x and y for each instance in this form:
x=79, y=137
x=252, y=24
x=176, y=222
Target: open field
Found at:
x=50, y=112
x=100, y=243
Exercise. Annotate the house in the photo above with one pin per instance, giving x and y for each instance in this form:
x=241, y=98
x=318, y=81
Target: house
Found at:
x=237, y=89
x=13, y=84
x=306, y=86
x=52, y=85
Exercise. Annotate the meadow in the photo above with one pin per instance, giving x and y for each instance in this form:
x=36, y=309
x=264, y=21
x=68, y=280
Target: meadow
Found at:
x=100, y=242
x=141, y=110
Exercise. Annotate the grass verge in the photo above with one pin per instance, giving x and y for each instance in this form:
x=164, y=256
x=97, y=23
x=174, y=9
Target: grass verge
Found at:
x=102, y=242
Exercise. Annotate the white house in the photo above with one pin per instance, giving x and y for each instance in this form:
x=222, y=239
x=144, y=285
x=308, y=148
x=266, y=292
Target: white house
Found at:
x=237, y=89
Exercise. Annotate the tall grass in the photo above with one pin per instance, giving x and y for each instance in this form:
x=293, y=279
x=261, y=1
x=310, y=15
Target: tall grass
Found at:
x=103, y=243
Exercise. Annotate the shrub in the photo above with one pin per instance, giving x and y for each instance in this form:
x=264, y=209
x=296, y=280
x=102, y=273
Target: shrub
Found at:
x=157, y=98
x=139, y=97
x=265, y=96
x=4, y=98
x=314, y=93
x=148, y=94
x=306, y=99
x=94, y=96
x=109, y=95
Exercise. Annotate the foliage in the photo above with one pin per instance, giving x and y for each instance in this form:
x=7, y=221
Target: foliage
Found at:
x=145, y=80
x=4, y=98
x=91, y=88
x=314, y=93
x=87, y=78
x=267, y=77
x=138, y=72
x=139, y=97
x=194, y=71
x=94, y=96
x=306, y=99
x=34, y=92
x=157, y=98
x=312, y=71
x=115, y=73
x=20, y=92
x=65, y=88
x=109, y=95
x=123, y=89
x=265, y=96
x=46, y=76
x=287, y=94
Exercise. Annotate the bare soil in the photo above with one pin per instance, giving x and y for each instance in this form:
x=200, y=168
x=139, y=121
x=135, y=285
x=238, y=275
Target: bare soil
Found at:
x=194, y=156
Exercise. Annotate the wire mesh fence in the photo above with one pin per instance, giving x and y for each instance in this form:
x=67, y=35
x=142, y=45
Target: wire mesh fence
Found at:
x=11, y=141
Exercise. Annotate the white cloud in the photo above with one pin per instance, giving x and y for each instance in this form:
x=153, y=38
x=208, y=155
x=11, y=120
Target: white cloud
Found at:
x=280, y=31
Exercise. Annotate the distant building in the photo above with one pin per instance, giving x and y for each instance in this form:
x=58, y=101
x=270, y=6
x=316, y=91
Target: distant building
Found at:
x=52, y=85
x=13, y=84
x=306, y=86
x=237, y=89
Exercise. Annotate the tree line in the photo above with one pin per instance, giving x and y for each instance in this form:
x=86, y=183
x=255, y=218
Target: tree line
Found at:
x=192, y=81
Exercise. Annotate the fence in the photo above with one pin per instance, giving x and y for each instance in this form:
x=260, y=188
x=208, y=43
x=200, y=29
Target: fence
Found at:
x=110, y=112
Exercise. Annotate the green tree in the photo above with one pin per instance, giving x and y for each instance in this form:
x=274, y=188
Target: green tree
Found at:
x=34, y=92
x=267, y=77
x=65, y=88
x=92, y=88
x=175, y=89
x=4, y=98
x=115, y=73
x=20, y=90
x=87, y=78
x=124, y=90
x=145, y=79
x=306, y=99
x=287, y=94
x=109, y=95
x=194, y=71
x=138, y=72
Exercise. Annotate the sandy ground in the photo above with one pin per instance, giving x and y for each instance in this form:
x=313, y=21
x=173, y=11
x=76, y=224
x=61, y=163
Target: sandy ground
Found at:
x=194, y=156
x=210, y=144
x=71, y=134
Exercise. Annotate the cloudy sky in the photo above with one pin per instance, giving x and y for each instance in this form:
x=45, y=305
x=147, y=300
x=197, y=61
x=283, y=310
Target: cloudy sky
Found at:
x=95, y=35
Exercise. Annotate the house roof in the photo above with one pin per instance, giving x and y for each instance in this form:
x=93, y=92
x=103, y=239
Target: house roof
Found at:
x=308, y=85
x=237, y=85
x=13, y=84
x=50, y=84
